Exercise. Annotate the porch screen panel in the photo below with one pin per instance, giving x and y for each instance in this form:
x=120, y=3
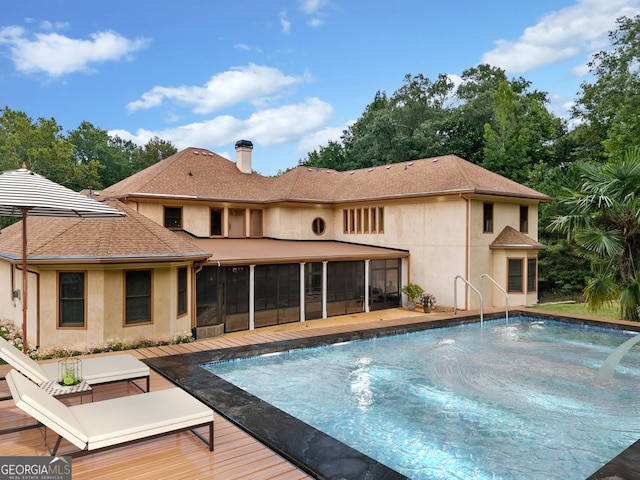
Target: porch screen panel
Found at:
x=345, y=287
x=277, y=294
x=383, y=284
x=313, y=290
x=236, y=300
x=207, y=306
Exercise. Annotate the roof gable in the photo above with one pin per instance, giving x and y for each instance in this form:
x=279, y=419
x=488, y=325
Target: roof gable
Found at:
x=511, y=239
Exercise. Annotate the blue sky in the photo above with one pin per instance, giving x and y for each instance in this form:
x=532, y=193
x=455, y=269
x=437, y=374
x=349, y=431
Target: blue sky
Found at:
x=288, y=75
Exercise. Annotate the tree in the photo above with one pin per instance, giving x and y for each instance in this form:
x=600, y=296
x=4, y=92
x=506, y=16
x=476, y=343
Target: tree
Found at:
x=42, y=147
x=152, y=152
x=604, y=221
x=608, y=108
x=93, y=145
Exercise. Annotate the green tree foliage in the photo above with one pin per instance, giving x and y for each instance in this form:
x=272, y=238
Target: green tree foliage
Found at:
x=604, y=221
x=152, y=152
x=608, y=108
x=41, y=146
x=87, y=157
x=488, y=120
x=111, y=155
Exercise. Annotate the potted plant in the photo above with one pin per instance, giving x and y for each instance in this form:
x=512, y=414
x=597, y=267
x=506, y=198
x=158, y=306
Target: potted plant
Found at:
x=70, y=372
x=428, y=301
x=412, y=291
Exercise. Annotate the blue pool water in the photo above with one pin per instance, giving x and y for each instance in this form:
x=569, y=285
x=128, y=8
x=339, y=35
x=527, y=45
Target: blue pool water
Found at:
x=513, y=401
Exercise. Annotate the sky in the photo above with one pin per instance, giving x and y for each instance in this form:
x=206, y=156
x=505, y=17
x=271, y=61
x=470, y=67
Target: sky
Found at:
x=288, y=75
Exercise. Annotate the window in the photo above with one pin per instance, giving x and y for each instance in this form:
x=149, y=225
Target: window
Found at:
x=255, y=221
x=216, y=222
x=524, y=218
x=363, y=220
x=487, y=218
x=182, y=290
x=71, y=301
x=514, y=274
x=137, y=297
x=532, y=270
x=173, y=217
x=236, y=222
x=318, y=226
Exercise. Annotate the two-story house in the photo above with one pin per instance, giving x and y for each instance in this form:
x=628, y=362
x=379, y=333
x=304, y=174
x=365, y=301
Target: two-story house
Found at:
x=210, y=246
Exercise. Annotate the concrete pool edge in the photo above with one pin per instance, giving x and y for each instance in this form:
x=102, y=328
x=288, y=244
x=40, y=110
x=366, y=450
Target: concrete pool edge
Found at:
x=312, y=451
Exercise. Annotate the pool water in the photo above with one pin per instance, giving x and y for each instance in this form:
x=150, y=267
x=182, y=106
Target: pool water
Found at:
x=500, y=401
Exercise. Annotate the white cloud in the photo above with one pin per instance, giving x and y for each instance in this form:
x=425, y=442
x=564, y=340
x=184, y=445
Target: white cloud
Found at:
x=311, y=7
x=267, y=127
x=561, y=35
x=239, y=84
x=247, y=48
x=321, y=138
x=57, y=55
x=315, y=22
x=284, y=23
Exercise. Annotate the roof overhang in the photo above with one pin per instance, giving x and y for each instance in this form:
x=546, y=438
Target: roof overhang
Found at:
x=255, y=251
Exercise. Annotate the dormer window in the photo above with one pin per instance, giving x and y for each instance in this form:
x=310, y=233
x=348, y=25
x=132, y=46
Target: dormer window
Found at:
x=173, y=217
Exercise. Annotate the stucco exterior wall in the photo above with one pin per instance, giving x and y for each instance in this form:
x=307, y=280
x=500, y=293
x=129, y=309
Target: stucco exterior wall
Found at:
x=296, y=222
x=105, y=291
x=433, y=230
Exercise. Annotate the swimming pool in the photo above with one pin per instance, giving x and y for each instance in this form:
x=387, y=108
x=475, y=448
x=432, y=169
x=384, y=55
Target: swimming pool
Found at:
x=324, y=457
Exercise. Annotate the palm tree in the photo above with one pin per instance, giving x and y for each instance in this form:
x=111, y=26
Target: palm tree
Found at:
x=604, y=221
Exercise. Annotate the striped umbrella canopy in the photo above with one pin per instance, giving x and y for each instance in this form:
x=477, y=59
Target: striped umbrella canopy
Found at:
x=24, y=193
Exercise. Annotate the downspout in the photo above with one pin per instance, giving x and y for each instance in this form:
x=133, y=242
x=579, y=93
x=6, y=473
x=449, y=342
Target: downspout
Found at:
x=37, y=274
x=467, y=257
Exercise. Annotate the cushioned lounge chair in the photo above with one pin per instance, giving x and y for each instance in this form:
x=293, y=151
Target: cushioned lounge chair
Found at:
x=95, y=370
x=97, y=426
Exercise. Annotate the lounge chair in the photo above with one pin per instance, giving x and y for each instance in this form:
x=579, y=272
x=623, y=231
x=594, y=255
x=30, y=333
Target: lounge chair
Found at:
x=95, y=371
x=112, y=423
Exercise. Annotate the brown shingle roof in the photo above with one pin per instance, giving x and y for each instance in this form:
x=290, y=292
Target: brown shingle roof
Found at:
x=134, y=237
x=511, y=239
x=200, y=174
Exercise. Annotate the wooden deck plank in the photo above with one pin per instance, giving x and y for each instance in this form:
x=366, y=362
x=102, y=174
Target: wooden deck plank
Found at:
x=237, y=455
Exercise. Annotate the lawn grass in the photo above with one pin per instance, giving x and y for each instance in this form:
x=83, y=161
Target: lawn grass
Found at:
x=609, y=311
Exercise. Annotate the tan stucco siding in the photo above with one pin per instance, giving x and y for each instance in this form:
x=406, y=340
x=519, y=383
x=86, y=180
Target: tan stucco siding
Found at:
x=105, y=292
x=296, y=222
x=434, y=231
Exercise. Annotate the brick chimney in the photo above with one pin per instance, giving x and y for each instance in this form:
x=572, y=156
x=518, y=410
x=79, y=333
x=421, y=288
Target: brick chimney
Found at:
x=243, y=155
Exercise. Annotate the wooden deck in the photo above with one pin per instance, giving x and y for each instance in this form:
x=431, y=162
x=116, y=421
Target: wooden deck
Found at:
x=182, y=456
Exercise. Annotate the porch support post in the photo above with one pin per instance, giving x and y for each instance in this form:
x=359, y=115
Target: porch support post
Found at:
x=302, y=299
x=367, y=264
x=252, y=297
x=324, y=289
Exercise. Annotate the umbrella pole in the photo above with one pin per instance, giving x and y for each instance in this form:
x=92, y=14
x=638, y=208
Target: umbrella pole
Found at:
x=24, y=211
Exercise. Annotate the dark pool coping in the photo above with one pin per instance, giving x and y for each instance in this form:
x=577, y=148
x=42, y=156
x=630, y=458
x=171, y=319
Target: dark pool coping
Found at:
x=314, y=452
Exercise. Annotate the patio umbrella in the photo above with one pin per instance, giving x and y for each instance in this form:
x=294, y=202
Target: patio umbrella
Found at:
x=24, y=193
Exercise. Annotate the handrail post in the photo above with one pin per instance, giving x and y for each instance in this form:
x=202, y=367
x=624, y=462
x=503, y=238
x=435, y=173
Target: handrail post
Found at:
x=455, y=295
x=506, y=297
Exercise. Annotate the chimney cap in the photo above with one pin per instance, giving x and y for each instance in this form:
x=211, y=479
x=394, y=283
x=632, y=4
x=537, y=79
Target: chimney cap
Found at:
x=244, y=144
